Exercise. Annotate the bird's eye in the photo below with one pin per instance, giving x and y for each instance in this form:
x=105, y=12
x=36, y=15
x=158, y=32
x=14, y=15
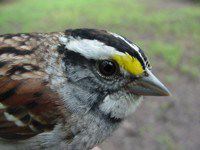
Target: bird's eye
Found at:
x=107, y=68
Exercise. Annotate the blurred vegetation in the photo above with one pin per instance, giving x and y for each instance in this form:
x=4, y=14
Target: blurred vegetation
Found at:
x=171, y=33
x=168, y=32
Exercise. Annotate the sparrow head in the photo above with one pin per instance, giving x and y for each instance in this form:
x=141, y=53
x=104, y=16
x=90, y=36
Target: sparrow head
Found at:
x=106, y=72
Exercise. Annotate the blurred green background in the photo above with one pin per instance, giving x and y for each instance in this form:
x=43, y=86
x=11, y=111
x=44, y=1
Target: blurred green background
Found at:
x=169, y=33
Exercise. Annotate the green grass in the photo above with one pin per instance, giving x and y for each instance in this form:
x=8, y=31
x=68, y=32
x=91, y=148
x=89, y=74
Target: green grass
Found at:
x=193, y=72
x=171, y=33
x=166, y=142
x=170, y=52
x=50, y=15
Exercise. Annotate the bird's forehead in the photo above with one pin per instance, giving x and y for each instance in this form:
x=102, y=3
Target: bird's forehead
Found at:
x=100, y=44
x=114, y=40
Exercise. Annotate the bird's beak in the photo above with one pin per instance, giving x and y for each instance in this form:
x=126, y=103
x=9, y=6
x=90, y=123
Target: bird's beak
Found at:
x=148, y=85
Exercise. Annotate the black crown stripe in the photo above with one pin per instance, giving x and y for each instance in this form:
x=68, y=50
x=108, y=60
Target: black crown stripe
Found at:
x=108, y=39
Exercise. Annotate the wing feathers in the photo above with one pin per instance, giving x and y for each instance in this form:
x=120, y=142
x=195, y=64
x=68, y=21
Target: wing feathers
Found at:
x=27, y=104
x=30, y=107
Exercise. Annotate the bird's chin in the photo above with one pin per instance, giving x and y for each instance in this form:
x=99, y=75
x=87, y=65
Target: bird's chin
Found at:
x=120, y=104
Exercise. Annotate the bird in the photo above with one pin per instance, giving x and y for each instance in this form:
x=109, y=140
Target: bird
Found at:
x=69, y=90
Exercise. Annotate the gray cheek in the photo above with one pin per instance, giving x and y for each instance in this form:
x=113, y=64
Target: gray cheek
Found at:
x=77, y=99
x=120, y=104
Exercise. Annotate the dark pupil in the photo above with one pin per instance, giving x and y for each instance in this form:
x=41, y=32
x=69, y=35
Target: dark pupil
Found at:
x=107, y=68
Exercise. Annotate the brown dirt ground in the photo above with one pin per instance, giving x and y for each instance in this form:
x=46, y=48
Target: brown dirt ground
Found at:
x=163, y=123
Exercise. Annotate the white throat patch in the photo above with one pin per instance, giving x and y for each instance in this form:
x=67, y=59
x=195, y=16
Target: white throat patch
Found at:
x=120, y=104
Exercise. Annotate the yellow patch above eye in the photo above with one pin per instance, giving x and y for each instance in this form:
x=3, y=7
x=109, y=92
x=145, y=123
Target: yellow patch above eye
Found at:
x=129, y=63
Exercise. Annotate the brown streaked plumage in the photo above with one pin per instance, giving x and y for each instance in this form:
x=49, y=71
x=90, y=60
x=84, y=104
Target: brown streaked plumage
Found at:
x=25, y=89
x=66, y=90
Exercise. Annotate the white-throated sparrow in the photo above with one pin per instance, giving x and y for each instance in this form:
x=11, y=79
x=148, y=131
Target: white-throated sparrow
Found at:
x=69, y=90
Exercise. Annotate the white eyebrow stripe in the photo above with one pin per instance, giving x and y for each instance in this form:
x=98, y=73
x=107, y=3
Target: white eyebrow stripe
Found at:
x=135, y=47
x=91, y=49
